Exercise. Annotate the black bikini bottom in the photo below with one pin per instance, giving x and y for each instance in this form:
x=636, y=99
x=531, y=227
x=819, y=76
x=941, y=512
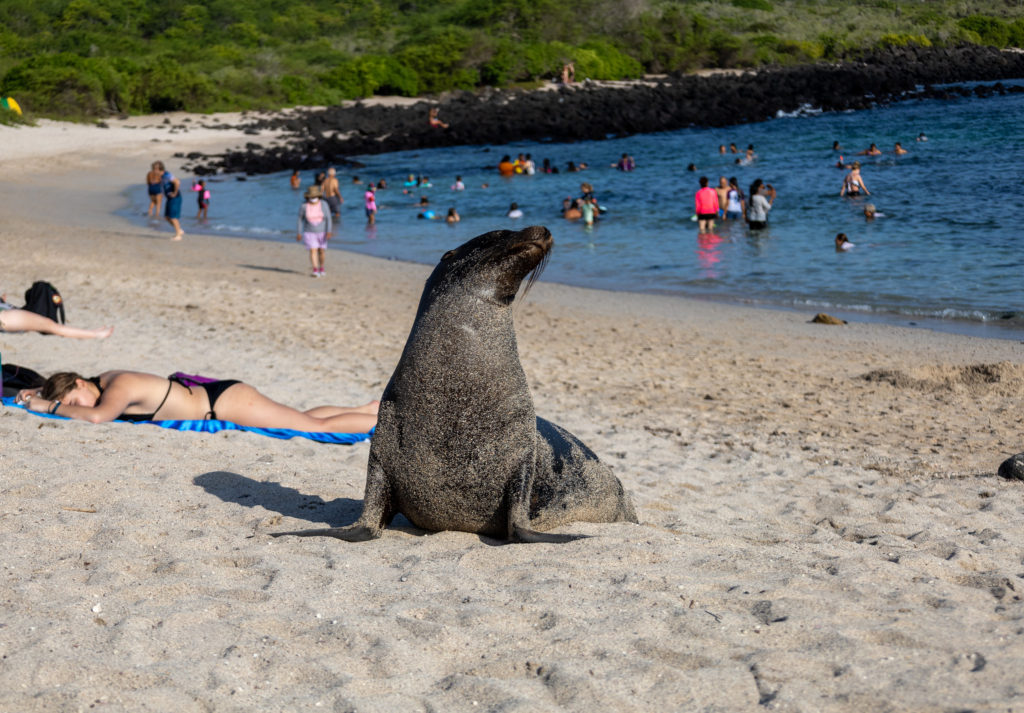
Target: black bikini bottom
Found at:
x=214, y=390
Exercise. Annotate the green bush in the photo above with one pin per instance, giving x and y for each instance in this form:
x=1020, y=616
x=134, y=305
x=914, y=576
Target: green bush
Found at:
x=361, y=77
x=437, y=60
x=754, y=5
x=1016, y=38
x=600, y=60
x=309, y=92
x=990, y=30
x=832, y=46
x=902, y=40
x=88, y=57
x=66, y=85
x=166, y=85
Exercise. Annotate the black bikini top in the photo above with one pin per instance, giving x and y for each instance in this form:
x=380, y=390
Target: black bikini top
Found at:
x=139, y=417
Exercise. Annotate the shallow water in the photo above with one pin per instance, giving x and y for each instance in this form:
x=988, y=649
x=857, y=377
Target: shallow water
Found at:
x=946, y=253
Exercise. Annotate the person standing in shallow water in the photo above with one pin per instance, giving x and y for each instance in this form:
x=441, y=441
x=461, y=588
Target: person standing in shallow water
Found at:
x=154, y=186
x=172, y=210
x=706, y=204
x=370, y=198
x=332, y=193
x=736, y=202
x=762, y=197
x=722, y=189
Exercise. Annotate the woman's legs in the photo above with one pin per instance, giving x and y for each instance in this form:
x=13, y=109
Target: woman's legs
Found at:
x=21, y=320
x=244, y=405
x=178, y=232
x=314, y=261
x=329, y=411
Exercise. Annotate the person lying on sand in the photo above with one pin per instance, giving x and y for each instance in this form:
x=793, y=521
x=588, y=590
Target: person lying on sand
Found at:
x=13, y=319
x=137, y=396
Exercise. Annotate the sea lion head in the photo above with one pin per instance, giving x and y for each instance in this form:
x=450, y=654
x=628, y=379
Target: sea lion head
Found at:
x=492, y=266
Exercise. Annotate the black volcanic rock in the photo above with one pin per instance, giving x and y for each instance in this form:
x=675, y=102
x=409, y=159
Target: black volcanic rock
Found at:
x=589, y=111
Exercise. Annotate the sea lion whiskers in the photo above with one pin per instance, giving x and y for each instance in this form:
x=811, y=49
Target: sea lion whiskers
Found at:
x=535, y=273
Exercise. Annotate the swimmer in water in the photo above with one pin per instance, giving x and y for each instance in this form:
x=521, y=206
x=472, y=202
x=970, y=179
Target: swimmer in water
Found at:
x=898, y=149
x=853, y=183
x=842, y=243
x=871, y=150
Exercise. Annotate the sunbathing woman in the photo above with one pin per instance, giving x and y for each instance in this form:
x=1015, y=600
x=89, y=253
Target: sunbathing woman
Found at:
x=136, y=396
x=13, y=319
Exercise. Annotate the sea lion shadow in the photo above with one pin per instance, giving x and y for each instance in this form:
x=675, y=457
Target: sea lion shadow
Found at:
x=235, y=488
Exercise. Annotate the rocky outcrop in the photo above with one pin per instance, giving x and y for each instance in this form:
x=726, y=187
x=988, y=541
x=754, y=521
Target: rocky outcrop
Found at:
x=593, y=112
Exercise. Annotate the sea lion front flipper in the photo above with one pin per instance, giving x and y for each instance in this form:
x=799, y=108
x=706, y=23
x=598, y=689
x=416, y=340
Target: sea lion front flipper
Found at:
x=377, y=511
x=353, y=533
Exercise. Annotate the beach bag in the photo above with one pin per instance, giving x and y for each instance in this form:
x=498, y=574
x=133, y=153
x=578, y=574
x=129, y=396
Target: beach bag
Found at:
x=43, y=298
x=15, y=378
x=315, y=213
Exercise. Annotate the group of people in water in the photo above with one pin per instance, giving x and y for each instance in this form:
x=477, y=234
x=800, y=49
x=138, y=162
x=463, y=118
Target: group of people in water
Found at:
x=315, y=224
x=728, y=201
x=853, y=183
x=161, y=184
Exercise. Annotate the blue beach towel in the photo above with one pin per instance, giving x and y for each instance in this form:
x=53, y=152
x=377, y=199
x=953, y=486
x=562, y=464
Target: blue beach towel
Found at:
x=218, y=426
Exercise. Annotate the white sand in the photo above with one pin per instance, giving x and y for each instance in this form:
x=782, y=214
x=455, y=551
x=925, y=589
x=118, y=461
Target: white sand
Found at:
x=811, y=540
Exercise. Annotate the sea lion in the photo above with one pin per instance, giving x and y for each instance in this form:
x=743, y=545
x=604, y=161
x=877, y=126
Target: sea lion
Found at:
x=458, y=444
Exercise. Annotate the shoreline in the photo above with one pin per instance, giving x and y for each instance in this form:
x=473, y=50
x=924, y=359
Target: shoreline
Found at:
x=981, y=329
x=821, y=523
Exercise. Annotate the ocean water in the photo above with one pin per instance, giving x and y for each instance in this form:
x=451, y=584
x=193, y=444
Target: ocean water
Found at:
x=948, y=252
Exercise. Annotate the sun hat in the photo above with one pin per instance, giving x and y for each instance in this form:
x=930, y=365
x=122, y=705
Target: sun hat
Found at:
x=314, y=192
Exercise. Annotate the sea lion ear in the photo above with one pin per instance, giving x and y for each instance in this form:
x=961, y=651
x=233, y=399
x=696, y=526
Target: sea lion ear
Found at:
x=448, y=255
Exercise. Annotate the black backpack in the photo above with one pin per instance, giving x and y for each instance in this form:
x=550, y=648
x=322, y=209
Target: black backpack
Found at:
x=43, y=298
x=16, y=377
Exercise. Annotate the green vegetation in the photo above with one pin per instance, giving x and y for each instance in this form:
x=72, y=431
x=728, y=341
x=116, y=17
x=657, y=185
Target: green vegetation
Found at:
x=82, y=58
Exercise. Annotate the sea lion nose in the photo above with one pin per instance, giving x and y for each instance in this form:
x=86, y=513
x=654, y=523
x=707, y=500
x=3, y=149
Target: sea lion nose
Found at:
x=540, y=236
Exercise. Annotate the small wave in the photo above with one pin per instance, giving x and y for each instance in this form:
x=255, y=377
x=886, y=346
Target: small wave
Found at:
x=802, y=110
x=247, y=230
x=1009, y=317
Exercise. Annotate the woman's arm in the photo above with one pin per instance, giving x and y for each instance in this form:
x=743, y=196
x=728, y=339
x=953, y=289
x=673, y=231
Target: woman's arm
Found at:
x=112, y=404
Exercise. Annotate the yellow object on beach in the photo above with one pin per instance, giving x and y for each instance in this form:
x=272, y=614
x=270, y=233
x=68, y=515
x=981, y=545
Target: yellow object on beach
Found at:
x=9, y=103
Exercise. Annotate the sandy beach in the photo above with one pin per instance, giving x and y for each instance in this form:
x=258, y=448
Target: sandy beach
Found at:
x=822, y=527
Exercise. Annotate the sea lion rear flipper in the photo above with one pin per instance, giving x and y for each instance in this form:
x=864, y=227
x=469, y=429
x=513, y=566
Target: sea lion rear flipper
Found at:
x=519, y=509
x=523, y=534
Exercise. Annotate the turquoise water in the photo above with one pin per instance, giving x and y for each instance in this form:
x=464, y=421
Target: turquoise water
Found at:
x=948, y=248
